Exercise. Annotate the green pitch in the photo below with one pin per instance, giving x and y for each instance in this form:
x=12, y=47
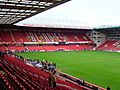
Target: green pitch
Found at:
x=98, y=67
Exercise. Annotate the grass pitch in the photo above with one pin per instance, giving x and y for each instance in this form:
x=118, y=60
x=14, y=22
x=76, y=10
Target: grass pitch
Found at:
x=98, y=67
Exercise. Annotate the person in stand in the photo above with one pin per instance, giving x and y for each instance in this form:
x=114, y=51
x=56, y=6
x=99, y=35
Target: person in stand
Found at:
x=108, y=88
x=82, y=81
x=0, y=53
x=52, y=80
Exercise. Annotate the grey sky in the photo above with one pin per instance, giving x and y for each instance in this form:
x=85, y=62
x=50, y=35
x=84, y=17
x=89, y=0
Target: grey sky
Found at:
x=84, y=13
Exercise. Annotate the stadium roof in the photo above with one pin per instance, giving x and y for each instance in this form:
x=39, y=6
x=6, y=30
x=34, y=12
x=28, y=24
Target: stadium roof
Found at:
x=79, y=14
x=13, y=11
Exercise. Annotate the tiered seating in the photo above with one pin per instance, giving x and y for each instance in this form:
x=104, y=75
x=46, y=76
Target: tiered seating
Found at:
x=49, y=48
x=35, y=48
x=81, y=47
x=17, y=36
x=17, y=85
x=6, y=36
x=40, y=37
x=88, y=39
x=65, y=47
x=70, y=37
x=28, y=77
x=13, y=48
x=74, y=47
x=81, y=37
x=1, y=39
x=6, y=82
x=3, y=48
x=117, y=45
x=85, y=47
x=49, y=37
x=32, y=36
x=43, y=37
x=60, y=37
x=54, y=37
x=110, y=45
x=20, y=36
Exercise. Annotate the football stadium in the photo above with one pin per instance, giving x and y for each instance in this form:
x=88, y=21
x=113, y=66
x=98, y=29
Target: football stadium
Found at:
x=59, y=45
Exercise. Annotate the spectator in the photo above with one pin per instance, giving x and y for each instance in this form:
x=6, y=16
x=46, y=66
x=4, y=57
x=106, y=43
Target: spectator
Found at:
x=108, y=88
x=83, y=82
x=0, y=53
x=78, y=81
x=52, y=80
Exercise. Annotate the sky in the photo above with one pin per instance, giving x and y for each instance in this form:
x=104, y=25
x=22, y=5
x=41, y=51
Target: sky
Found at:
x=79, y=14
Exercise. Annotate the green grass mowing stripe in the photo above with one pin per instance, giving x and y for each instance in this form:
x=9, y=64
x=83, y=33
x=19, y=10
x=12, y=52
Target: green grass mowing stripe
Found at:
x=98, y=67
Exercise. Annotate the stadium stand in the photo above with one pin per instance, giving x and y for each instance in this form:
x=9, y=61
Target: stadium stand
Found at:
x=43, y=41
x=113, y=45
x=20, y=36
x=22, y=76
x=3, y=48
x=36, y=48
x=112, y=39
x=5, y=35
x=17, y=75
x=19, y=48
x=49, y=48
x=15, y=36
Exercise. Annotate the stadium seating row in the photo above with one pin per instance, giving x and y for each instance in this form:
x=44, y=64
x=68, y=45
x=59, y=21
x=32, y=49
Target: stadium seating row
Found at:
x=18, y=75
x=47, y=47
x=112, y=45
x=16, y=36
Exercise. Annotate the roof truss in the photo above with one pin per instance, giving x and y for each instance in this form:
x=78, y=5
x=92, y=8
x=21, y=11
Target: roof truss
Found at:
x=13, y=11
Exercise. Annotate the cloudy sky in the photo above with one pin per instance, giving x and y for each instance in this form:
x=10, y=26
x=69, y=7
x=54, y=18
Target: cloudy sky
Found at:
x=79, y=13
